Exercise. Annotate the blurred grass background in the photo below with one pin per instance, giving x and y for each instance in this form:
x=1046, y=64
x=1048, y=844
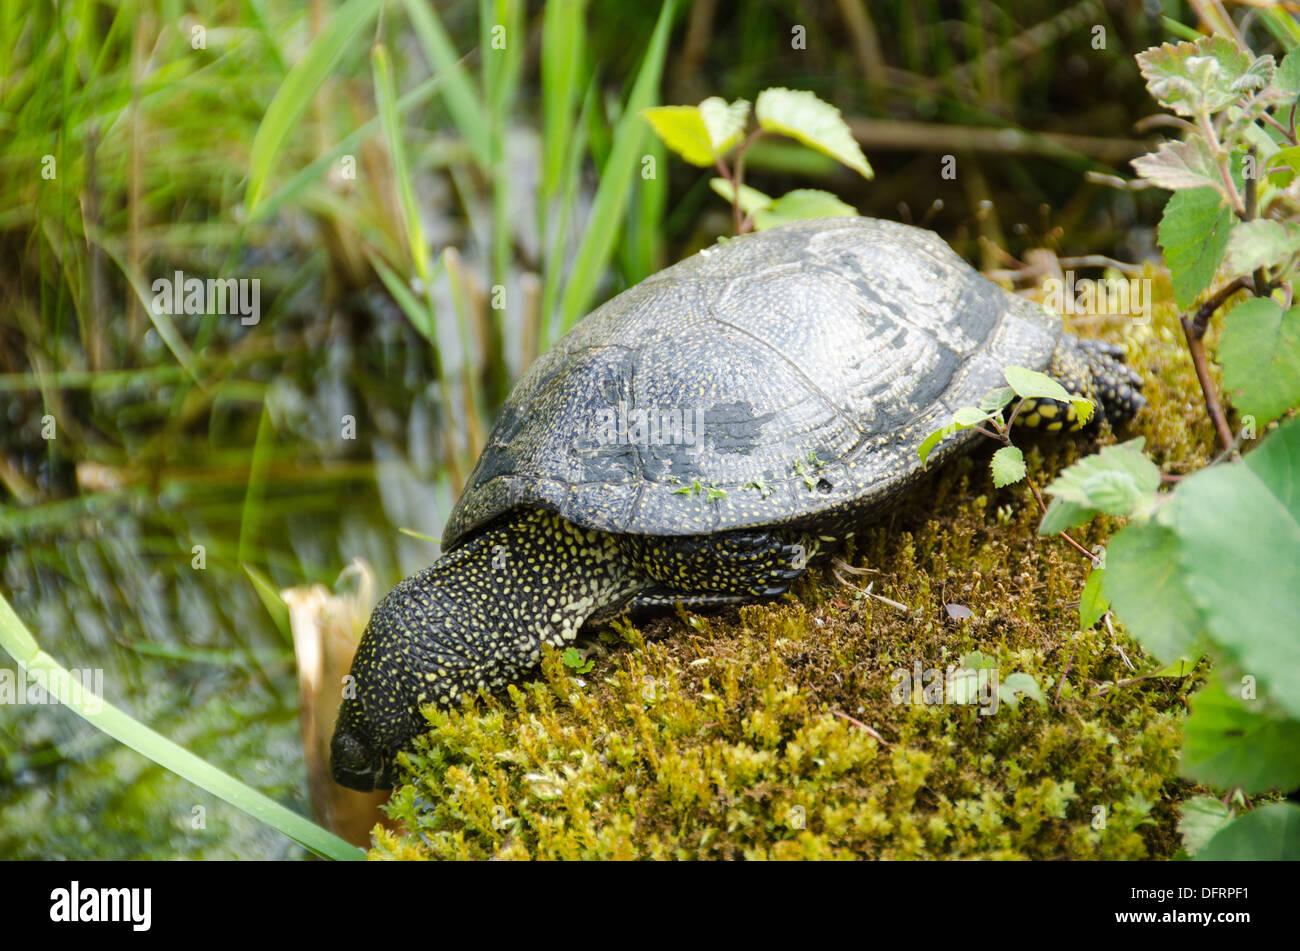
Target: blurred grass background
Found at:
x=425, y=212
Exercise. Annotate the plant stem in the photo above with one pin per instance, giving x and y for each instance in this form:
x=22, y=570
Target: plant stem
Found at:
x=1230, y=187
x=1066, y=535
x=1197, y=348
x=1194, y=327
x=1289, y=133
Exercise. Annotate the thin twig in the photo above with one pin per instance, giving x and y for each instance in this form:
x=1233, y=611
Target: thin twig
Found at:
x=861, y=726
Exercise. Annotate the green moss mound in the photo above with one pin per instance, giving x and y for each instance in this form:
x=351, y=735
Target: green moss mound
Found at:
x=775, y=731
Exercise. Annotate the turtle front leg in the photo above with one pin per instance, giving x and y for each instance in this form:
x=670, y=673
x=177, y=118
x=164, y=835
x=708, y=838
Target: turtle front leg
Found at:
x=1091, y=368
x=714, y=570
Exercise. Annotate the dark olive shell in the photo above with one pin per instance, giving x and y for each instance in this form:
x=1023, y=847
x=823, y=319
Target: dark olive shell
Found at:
x=770, y=379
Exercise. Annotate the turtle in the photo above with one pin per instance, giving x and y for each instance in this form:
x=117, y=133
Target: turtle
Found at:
x=702, y=439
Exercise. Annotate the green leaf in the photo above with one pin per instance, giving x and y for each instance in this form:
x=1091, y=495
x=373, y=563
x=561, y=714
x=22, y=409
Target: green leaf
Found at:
x=1119, y=480
x=1260, y=353
x=1008, y=465
x=300, y=87
x=1287, y=77
x=1238, y=529
x=700, y=134
x=1083, y=408
x=964, y=418
x=932, y=440
x=1147, y=590
x=1193, y=233
x=799, y=205
x=1180, y=668
x=1092, y=603
x=1229, y=742
x=817, y=124
x=751, y=199
x=1267, y=833
x=682, y=129
x=725, y=122
x=1030, y=384
x=1181, y=165
x=1019, y=685
x=995, y=400
x=1203, y=77
x=967, y=416
x=1256, y=244
x=1201, y=817
x=1062, y=516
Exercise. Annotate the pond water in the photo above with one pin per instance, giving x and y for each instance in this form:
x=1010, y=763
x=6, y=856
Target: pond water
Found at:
x=137, y=571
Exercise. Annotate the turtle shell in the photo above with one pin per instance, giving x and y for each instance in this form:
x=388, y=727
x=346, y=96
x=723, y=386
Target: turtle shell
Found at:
x=772, y=378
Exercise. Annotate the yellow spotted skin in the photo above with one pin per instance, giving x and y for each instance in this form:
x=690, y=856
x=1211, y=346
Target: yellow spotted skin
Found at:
x=476, y=619
x=787, y=379
x=1089, y=368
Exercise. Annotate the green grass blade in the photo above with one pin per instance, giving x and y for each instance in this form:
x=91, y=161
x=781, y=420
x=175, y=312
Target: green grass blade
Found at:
x=387, y=98
x=457, y=91
x=557, y=224
x=294, y=186
x=563, y=23
x=271, y=600
x=298, y=88
x=18, y=641
x=616, y=182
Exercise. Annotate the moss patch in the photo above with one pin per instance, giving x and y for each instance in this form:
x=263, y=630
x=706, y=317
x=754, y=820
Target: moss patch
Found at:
x=774, y=731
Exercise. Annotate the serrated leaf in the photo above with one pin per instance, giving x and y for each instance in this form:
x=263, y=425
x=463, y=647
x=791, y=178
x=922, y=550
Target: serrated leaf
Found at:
x=817, y=124
x=1193, y=234
x=1266, y=833
x=1259, y=243
x=1083, y=408
x=700, y=134
x=1030, y=384
x=682, y=129
x=1181, y=165
x=1148, y=592
x=724, y=121
x=799, y=205
x=1092, y=603
x=1203, y=77
x=1113, y=481
x=1287, y=77
x=1238, y=530
x=1200, y=818
x=1008, y=465
x=1260, y=354
x=1229, y=742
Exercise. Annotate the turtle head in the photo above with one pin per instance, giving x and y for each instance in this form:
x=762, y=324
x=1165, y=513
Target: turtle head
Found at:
x=354, y=761
x=472, y=622
x=399, y=666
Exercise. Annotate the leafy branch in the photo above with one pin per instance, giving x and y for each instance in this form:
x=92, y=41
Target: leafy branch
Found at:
x=1234, y=211
x=716, y=134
